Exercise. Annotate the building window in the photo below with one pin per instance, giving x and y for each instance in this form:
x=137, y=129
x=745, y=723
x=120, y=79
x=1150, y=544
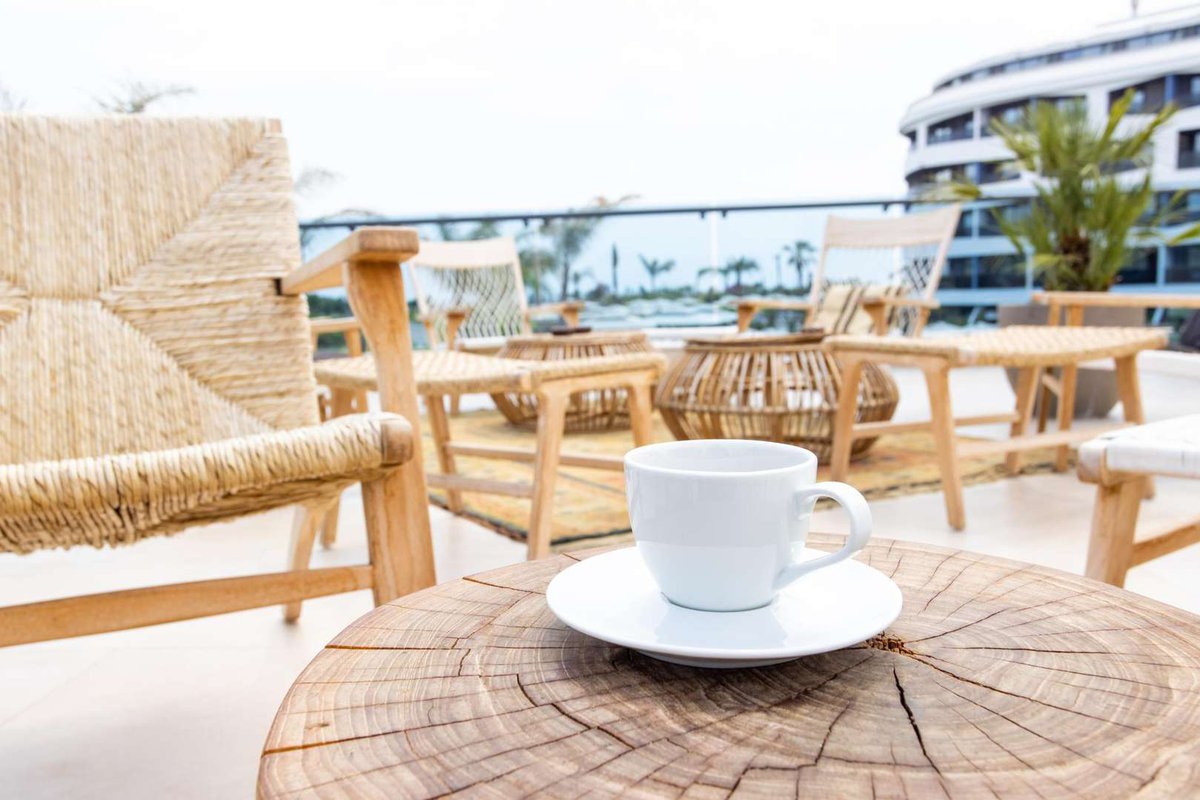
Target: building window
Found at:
x=1183, y=264
x=1189, y=150
x=1187, y=91
x=996, y=171
x=912, y=139
x=1143, y=266
x=953, y=129
x=958, y=274
x=966, y=225
x=937, y=176
x=1004, y=271
x=1008, y=113
x=988, y=226
x=1148, y=97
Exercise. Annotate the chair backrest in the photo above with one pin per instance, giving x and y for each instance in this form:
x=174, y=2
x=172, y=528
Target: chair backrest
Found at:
x=915, y=244
x=481, y=274
x=139, y=307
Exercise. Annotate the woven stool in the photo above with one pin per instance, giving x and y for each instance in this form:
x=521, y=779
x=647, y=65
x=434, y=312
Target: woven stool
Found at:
x=776, y=388
x=590, y=410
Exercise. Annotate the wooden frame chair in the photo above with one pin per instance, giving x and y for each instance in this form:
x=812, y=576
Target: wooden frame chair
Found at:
x=905, y=302
x=471, y=294
x=156, y=374
x=1121, y=464
x=436, y=375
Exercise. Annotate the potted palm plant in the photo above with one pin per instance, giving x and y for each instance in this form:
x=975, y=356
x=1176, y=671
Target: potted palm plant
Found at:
x=1090, y=212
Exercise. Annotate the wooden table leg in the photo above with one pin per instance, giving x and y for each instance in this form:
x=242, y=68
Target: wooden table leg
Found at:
x=1027, y=385
x=439, y=428
x=937, y=381
x=552, y=420
x=1066, y=412
x=1114, y=520
x=843, y=420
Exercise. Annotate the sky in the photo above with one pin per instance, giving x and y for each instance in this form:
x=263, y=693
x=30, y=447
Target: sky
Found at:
x=458, y=106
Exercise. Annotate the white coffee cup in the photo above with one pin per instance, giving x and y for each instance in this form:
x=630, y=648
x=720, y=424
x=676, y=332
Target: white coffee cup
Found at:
x=719, y=522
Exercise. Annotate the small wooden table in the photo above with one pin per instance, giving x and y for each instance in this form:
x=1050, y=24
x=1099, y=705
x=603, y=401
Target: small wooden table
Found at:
x=999, y=679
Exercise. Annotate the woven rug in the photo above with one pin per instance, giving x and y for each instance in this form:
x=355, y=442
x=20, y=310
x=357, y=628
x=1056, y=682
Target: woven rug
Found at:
x=589, y=504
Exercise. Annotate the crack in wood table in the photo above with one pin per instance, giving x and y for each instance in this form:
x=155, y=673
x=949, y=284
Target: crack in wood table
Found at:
x=999, y=679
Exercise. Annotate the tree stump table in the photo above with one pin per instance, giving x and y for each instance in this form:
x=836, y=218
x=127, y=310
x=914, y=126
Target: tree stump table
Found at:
x=999, y=679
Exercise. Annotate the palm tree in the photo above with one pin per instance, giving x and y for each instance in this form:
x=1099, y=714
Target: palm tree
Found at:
x=449, y=231
x=799, y=255
x=654, y=268
x=570, y=235
x=737, y=266
x=710, y=270
x=1081, y=223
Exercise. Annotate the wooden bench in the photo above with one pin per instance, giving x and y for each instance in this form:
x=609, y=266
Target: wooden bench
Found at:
x=1029, y=349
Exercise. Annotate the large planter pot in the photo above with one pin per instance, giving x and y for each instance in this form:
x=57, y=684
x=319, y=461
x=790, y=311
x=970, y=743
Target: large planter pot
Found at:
x=1096, y=389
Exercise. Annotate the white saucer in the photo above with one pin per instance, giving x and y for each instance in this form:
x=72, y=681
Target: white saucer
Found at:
x=613, y=598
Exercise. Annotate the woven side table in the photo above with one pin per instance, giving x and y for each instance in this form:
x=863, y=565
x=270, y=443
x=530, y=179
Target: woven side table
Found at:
x=777, y=388
x=591, y=410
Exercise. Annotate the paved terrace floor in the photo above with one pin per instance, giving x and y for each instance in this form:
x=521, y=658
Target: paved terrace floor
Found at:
x=181, y=710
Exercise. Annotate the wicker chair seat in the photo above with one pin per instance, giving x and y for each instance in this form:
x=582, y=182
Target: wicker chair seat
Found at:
x=449, y=372
x=122, y=498
x=1016, y=346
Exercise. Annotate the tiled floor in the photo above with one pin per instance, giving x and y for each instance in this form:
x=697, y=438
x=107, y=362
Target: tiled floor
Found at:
x=181, y=710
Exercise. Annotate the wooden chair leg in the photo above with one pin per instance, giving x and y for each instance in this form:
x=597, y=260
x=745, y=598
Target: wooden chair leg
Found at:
x=1027, y=385
x=305, y=522
x=552, y=417
x=843, y=420
x=342, y=402
x=455, y=405
x=1047, y=395
x=1114, y=520
x=329, y=524
x=1129, y=390
x=439, y=428
x=401, y=556
x=641, y=410
x=1066, y=412
x=937, y=381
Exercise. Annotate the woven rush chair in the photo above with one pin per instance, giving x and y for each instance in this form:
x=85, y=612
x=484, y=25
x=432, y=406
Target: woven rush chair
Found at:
x=915, y=246
x=153, y=377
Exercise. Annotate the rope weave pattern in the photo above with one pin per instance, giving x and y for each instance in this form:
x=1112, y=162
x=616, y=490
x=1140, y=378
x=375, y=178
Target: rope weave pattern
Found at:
x=491, y=293
x=1016, y=346
x=442, y=372
x=151, y=375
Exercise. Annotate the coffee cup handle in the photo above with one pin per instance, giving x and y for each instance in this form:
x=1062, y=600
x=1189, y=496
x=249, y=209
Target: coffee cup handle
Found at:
x=859, y=512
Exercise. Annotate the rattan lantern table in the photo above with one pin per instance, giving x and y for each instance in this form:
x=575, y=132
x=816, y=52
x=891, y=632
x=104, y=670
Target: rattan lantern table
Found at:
x=592, y=410
x=781, y=388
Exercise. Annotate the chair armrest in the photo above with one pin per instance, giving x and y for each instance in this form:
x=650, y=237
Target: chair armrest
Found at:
x=898, y=301
x=371, y=245
x=880, y=306
x=569, y=310
x=748, y=308
x=454, y=317
x=332, y=324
